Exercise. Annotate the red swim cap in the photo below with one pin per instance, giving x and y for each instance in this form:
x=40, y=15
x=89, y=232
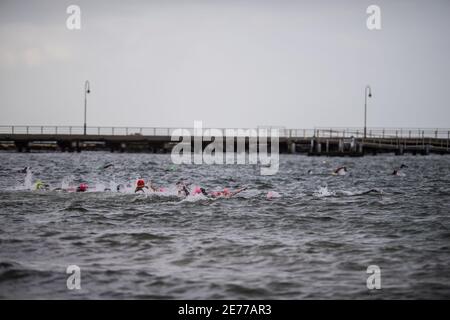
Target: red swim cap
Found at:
x=141, y=183
x=83, y=187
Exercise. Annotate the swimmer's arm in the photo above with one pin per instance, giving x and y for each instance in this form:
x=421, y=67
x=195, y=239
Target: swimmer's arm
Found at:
x=238, y=191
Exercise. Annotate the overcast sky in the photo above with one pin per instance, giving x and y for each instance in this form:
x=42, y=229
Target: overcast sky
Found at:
x=297, y=64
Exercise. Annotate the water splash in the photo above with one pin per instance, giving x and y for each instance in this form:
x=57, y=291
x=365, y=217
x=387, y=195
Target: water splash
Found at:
x=195, y=198
x=272, y=195
x=67, y=181
x=28, y=184
x=323, y=192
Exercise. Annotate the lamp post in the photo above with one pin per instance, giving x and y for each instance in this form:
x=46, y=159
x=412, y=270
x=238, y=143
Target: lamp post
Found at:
x=87, y=90
x=369, y=90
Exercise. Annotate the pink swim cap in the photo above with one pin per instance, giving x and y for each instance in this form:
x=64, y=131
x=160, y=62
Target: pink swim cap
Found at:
x=197, y=190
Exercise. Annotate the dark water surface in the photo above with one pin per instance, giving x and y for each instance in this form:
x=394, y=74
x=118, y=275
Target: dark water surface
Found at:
x=315, y=241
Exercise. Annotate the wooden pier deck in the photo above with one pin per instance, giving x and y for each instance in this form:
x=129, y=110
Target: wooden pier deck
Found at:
x=314, y=142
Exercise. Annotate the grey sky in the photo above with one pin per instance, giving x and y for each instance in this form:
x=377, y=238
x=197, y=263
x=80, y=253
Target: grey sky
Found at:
x=297, y=64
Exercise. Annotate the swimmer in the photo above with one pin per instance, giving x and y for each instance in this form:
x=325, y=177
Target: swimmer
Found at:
x=109, y=165
x=199, y=190
x=152, y=187
x=224, y=193
x=39, y=185
x=25, y=170
x=171, y=168
x=340, y=171
x=182, y=189
x=140, y=186
x=228, y=194
x=371, y=191
x=398, y=172
x=83, y=187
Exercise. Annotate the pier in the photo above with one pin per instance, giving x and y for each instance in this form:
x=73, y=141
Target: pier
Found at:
x=314, y=142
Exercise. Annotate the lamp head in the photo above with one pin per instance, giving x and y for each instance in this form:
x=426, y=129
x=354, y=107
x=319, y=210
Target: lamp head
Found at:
x=369, y=91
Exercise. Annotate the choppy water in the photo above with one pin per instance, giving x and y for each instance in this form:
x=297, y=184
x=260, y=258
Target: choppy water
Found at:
x=313, y=241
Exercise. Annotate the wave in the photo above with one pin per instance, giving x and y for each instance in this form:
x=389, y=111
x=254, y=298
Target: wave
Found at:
x=11, y=271
x=325, y=192
x=74, y=208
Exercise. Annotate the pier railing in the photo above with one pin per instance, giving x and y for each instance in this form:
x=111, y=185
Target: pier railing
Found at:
x=79, y=130
x=403, y=133
x=334, y=132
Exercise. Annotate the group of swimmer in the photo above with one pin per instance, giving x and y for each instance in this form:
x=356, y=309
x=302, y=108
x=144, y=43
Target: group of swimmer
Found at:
x=342, y=170
x=183, y=189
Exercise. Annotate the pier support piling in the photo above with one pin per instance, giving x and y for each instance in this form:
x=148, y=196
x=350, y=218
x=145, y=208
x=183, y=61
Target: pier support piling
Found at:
x=319, y=147
x=292, y=147
x=341, y=145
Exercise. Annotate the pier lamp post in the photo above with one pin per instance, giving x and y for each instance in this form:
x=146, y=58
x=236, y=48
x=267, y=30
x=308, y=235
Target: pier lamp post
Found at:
x=87, y=90
x=367, y=93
